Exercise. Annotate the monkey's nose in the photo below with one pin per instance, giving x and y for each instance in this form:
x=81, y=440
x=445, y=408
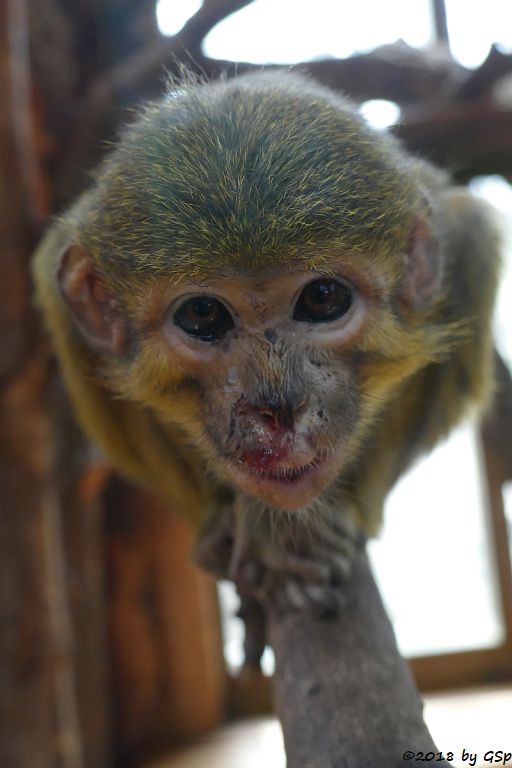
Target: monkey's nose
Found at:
x=279, y=414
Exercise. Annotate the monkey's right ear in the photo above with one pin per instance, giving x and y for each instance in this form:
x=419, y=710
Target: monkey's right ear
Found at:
x=101, y=324
x=423, y=265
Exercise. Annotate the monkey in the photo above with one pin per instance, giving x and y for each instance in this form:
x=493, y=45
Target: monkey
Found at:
x=266, y=310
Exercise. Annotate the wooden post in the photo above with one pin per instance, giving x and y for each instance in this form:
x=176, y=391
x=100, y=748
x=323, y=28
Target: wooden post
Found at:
x=53, y=700
x=168, y=673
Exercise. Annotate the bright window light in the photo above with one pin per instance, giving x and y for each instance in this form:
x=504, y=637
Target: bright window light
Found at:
x=507, y=503
x=171, y=15
x=380, y=113
x=473, y=26
x=433, y=562
x=498, y=192
x=285, y=31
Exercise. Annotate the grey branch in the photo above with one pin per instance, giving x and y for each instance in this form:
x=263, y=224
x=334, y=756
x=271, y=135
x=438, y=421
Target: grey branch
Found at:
x=343, y=692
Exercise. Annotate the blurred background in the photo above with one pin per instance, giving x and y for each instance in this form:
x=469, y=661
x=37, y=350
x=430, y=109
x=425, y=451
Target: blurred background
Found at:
x=113, y=648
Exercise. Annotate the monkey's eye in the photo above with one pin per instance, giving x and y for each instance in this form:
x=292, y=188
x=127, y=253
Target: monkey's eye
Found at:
x=322, y=301
x=204, y=317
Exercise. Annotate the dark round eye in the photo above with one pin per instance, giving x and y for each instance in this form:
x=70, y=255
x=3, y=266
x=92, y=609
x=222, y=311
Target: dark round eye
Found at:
x=204, y=317
x=322, y=301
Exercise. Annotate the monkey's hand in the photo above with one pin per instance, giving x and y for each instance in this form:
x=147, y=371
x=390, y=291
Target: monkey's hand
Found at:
x=296, y=565
x=299, y=568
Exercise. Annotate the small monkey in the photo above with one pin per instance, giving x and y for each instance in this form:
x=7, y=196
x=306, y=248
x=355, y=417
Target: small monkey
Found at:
x=266, y=309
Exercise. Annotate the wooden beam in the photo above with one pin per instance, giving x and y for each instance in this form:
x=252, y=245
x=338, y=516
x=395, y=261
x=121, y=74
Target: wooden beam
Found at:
x=166, y=654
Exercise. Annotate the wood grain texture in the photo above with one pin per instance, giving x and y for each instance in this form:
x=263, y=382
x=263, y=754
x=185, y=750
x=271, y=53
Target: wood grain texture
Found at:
x=166, y=652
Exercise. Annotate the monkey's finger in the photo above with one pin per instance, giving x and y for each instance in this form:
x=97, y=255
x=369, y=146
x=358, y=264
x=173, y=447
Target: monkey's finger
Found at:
x=324, y=602
x=321, y=602
x=341, y=568
x=308, y=569
x=333, y=545
x=291, y=595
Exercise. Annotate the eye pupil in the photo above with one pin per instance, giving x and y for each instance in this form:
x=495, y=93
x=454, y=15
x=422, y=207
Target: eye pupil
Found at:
x=321, y=293
x=323, y=301
x=204, y=317
x=202, y=306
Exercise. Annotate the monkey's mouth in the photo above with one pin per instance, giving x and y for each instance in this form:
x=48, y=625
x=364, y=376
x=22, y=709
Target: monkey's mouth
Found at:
x=288, y=487
x=284, y=475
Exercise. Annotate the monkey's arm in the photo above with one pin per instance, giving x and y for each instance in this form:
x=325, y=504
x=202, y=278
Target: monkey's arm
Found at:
x=438, y=396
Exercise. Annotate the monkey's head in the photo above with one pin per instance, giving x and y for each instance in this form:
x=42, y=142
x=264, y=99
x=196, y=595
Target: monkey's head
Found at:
x=258, y=268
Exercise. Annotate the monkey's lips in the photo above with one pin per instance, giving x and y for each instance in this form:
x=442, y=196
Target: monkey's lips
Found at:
x=287, y=485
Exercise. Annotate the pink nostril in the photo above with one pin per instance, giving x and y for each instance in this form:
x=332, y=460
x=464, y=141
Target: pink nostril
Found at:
x=273, y=415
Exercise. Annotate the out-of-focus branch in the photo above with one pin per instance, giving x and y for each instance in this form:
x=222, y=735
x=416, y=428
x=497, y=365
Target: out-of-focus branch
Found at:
x=211, y=13
x=448, y=113
x=440, y=21
x=469, y=139
x=481, y=81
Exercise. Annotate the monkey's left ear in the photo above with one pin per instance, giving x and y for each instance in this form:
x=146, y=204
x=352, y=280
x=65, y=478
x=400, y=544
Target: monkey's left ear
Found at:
x=423, y=266
x=100, y=323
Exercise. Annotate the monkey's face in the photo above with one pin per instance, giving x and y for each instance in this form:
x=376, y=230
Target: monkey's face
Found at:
x=276, y=374
x=267, y=361
x=274, y=371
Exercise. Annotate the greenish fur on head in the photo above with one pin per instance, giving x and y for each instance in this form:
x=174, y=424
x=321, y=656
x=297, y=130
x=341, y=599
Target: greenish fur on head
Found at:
x=245, y=174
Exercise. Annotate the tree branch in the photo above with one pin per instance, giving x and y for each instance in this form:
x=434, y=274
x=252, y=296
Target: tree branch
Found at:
x=344, y=695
